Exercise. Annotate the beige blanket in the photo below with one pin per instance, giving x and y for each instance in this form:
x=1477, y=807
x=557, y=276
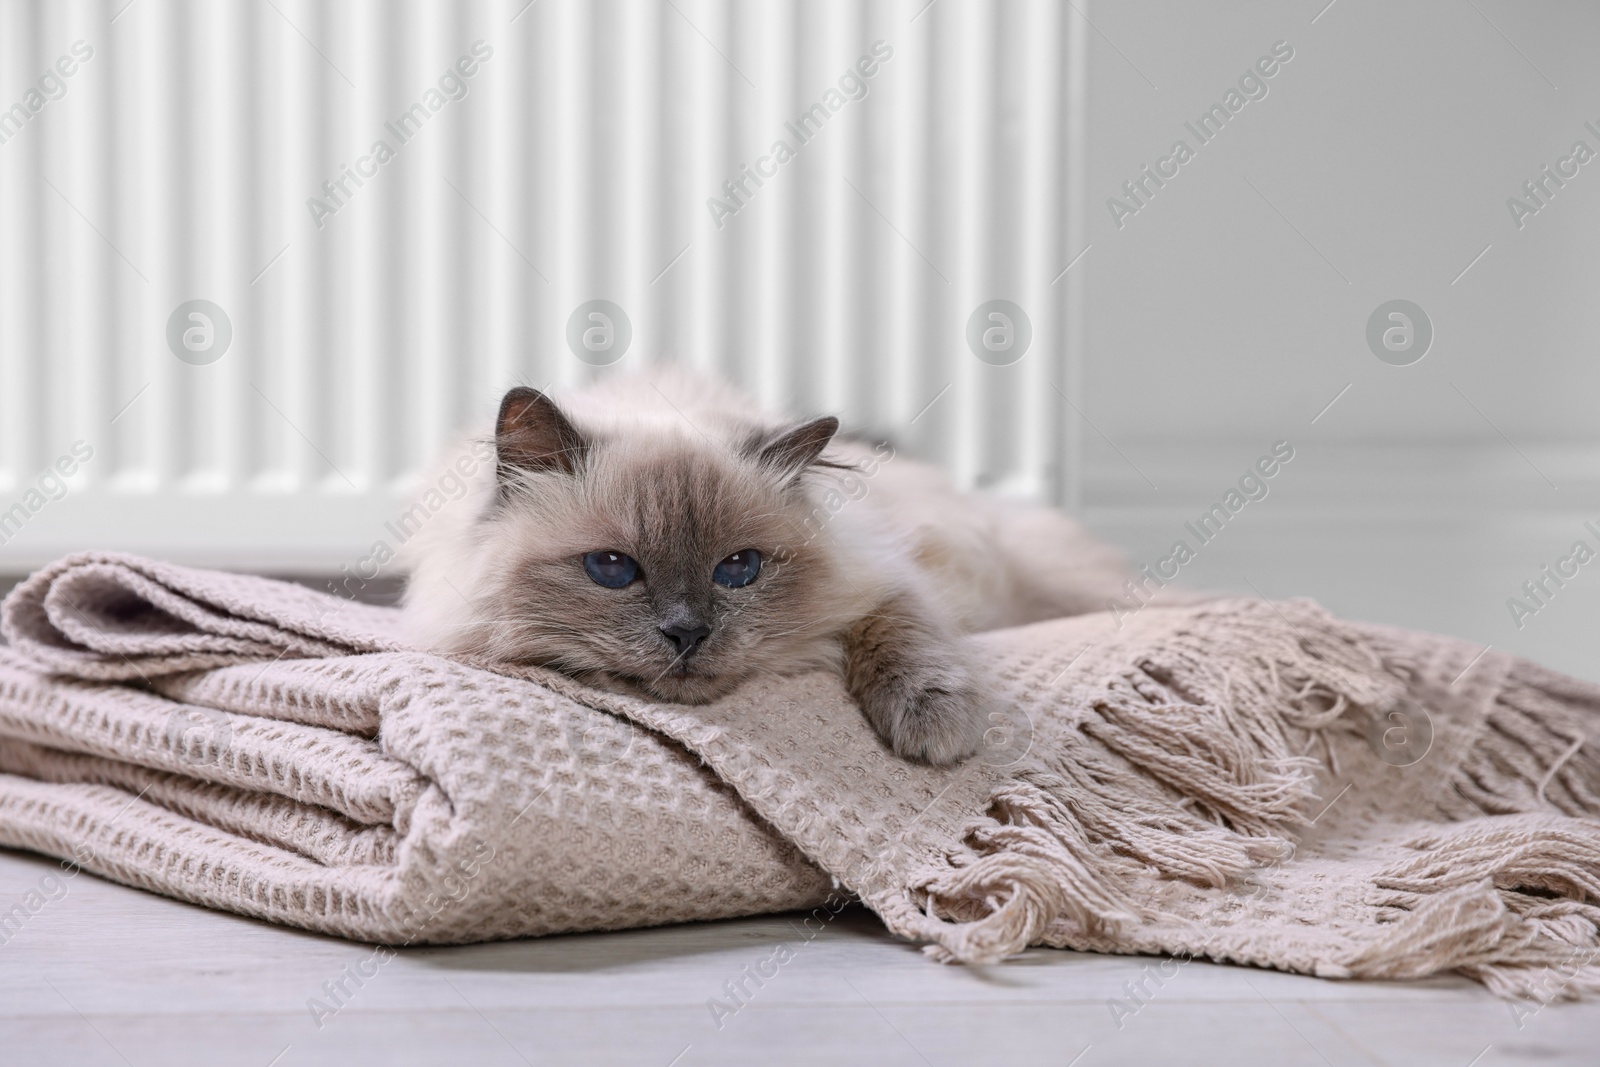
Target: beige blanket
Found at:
x=1240, y=780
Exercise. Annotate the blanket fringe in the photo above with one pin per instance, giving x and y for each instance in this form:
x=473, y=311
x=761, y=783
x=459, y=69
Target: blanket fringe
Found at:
x=1199, y=768
x=1534, y=753
x=1185, y=764
x=1030, y=867
x=1512, y=900
x=1510, y=903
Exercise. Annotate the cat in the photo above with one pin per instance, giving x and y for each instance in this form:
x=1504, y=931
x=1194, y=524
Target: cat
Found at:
x=656, y=534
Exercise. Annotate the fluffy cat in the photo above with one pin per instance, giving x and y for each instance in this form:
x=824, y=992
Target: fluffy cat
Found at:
x=658, y=535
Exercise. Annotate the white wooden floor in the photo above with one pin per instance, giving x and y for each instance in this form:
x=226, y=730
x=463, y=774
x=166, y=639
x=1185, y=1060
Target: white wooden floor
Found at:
x=114, y=976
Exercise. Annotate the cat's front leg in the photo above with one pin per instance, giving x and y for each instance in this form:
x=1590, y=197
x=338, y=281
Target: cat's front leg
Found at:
x=912, y=681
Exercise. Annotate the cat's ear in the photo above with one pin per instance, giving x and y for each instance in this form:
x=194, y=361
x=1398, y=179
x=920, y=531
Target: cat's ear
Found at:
x=791, y=451
x=532, y=434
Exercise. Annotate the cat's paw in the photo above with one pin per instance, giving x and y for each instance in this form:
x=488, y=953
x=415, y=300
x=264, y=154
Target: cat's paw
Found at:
x=931, y=713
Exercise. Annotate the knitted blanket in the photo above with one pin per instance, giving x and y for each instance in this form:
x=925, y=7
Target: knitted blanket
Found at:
x=1239, y=780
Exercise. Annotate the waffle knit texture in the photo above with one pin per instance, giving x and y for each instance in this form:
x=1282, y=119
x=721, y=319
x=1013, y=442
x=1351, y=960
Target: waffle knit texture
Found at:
x=1238, y=780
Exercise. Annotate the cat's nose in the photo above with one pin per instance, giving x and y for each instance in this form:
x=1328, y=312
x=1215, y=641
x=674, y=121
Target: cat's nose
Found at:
x=686, y=638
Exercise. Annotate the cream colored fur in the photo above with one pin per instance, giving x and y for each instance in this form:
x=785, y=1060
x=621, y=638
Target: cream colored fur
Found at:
x=991, y=562
x=891, y=539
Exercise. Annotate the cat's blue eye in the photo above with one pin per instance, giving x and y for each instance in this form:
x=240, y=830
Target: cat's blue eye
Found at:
x=611, y=569
x=738, y=569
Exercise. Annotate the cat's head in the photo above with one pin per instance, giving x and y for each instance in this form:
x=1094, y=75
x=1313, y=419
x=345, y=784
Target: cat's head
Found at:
x=656, y=560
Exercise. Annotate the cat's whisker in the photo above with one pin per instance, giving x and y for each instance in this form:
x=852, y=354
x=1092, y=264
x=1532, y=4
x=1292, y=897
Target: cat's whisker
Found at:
x=833, y=620
x=671, y=666
x=809, y=628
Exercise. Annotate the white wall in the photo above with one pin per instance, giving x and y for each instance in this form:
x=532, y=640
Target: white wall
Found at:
x=1230, y=311
x=1391, y=142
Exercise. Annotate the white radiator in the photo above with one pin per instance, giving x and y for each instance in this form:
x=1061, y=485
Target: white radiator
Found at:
x=537, y=157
